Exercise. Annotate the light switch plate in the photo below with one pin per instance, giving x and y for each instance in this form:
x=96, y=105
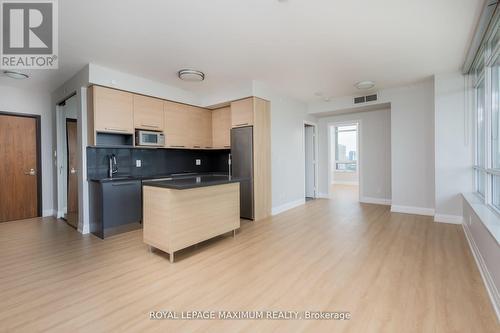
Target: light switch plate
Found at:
x=138, y=163
x=198, y=161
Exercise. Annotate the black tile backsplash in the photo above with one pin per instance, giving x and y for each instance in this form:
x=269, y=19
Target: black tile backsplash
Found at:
x=155, y=162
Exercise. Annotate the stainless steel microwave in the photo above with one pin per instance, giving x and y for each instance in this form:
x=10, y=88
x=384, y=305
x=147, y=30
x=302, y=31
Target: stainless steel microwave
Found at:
x=149, y=138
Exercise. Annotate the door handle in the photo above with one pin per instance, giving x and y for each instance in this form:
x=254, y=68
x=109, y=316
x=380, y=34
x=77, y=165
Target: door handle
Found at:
x=32, y=172
x=72, y=171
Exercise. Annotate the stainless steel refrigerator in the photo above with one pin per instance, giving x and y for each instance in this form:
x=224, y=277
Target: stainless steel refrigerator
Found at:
x=242, y=167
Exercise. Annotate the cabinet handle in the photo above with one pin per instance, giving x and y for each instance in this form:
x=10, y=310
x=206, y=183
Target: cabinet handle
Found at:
x=152, y=126
x=124, y=184
x=196, y=147
x=178, y=146
x=227, y=146
x=209, y=147
x=116, y=129
x=242, y=124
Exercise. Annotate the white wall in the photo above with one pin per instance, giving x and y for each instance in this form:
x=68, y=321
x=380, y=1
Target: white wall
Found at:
x=374, y=154
x=287, y=147
x=347, y=178
x=412, y=130
x=453, y=145
x=21, y=100
x=412, y=143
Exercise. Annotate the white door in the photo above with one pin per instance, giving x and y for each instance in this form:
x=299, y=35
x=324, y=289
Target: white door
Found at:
x=310, y=174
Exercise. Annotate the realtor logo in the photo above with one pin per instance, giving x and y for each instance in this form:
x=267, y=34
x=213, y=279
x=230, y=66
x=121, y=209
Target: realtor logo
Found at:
x=29, y=34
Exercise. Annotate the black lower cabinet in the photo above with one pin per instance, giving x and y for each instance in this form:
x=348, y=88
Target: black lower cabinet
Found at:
x=115, y=207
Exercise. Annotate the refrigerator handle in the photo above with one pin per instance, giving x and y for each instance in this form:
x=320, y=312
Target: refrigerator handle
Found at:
x=229, y=162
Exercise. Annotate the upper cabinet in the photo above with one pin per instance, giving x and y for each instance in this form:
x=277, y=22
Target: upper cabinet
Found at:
x=242, y=112
x=113, y=116
x=201, y=127
x=187, y=126
x=148, y=113
x=177, y=126
x=113, y=110
x=221, y=128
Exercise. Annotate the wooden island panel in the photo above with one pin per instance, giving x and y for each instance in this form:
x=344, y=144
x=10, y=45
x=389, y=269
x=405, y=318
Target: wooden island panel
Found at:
x=176, y=219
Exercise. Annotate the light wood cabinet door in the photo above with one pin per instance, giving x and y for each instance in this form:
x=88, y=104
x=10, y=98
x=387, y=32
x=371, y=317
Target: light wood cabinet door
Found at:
x=113, y=110
x=221, y=128
x=242, y=112
x=196, y=127
x=201, y=128
x=206, y=128
x=148, y=113
x=178, y=121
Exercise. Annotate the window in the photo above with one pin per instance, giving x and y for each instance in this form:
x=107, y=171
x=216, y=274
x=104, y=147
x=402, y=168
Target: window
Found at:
x=486, y=78
x=346, y=148
x=480, y=138
x=495, y=125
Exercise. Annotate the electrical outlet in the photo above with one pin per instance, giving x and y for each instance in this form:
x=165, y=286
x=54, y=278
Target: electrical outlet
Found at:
x=138, y=163
x=198, y=161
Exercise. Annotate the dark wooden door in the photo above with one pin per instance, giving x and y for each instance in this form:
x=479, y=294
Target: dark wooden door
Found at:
x=72, y=204
x=18, y=168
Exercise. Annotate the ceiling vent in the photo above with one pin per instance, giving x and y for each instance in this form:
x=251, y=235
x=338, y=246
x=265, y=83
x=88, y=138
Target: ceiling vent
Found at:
x=358, y=100
x=365, y=99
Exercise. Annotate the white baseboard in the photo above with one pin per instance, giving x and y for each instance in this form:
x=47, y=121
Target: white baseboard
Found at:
x=412, y=210
x=287, y=206
x=377, y=201
x=85, y=230
x=445, y=218
x=493, y=292
x=48, y=212
x=345, y=182
x=323, y=196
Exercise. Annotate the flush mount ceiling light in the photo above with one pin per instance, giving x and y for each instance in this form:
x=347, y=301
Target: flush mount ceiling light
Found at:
x=191, y=75
x=364, y=85
x=16, y=75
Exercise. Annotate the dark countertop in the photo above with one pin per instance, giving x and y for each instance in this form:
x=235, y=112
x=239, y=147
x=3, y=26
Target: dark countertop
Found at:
x=146, y=178
x=183, y=183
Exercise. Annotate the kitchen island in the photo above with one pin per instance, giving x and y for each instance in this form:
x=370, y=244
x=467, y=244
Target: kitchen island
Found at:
x=181, y=212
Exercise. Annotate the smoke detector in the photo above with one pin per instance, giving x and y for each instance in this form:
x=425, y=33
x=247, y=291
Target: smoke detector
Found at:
x=365, y=85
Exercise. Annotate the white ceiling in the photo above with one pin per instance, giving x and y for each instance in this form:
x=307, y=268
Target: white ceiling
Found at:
x=298, y=46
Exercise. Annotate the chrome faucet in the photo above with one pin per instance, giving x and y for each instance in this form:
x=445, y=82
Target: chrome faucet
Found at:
x=113, y=167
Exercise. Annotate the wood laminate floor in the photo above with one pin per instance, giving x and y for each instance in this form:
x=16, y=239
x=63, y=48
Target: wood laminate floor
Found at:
x=392, y=272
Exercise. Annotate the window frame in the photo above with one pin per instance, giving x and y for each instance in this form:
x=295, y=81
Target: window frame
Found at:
x=481, y=71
